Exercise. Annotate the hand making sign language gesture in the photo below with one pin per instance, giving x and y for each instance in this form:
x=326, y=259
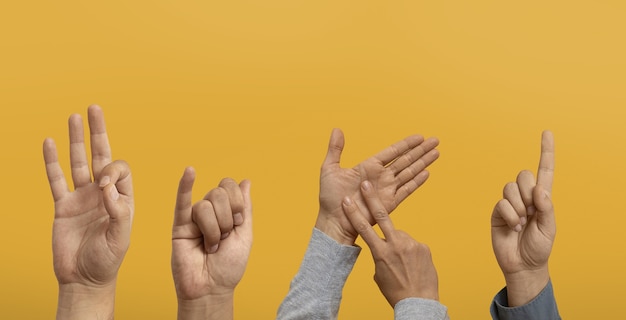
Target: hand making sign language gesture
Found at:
x=404, y=269
x=211, y=242
x=91, y=229
x=395, y=173
x=523, y=229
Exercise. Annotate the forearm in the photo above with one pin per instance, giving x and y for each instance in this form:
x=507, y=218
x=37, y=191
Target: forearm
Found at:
x=77, y=301
x=206, y=308
x=315, y=292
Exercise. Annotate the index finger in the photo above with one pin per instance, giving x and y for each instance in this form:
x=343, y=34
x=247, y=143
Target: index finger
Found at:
x=545, y=173
x=182, y=213
x=361, y=225
x=377, y=209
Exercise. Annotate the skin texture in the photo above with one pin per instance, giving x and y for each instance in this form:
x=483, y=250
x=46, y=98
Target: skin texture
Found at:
x=211, y=242
x=395, y=173
x=523, y=229
x=404, y=267
x=92, y=224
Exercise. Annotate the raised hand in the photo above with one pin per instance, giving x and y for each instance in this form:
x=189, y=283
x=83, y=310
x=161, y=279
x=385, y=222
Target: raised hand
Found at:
x=404, y=267
x=394, y=173
x=91, y=230
x=523, y=228
x=211, y=242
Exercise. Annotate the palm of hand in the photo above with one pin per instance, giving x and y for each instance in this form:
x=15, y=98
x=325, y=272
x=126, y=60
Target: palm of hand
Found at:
x=525, y=250
x=337, y=183
x=82, y=248
x=199, y=273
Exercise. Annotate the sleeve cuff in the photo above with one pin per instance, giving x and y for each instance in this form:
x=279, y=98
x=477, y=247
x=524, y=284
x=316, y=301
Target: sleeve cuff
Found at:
x=543, y=307
x=418, y=308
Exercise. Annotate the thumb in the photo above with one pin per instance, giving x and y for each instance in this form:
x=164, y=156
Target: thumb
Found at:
x=335, y=147
x=545, y=209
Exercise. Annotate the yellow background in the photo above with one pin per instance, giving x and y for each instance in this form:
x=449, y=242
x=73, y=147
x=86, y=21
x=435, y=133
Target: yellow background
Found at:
x=252, y=89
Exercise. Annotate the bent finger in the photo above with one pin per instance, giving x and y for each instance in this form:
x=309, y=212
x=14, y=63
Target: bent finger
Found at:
x=204, y=217
x=504, y=211
x=236, y=199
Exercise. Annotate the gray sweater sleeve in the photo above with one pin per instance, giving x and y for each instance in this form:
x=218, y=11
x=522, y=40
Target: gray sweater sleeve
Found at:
x=543, y=307
x=421, y=309
x=315, y=291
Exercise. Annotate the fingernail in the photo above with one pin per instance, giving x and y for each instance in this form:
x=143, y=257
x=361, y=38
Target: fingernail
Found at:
x=224, y=235
x=546, y=193
x=104, y=181
x=237, y=219
x=518, y=228
x=114, y=194
x=367, y=185
x=347, y=201
x=531, y=210
x=523, y=220
x=213, y=249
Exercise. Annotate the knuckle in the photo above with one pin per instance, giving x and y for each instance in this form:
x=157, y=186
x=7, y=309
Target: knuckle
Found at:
x=380, y=214
x=361, y=226
x=218, y=194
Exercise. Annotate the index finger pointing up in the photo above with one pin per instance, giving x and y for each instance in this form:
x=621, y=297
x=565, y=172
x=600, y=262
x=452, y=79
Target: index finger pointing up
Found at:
x=545, y=174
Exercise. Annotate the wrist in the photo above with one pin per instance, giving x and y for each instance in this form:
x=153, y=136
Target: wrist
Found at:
x=334, y=230
x=524, y=286
x=213, y=306
x=79, y=301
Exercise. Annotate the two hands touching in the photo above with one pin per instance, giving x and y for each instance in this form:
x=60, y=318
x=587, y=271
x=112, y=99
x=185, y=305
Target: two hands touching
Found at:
x=352, y=200
x=211, y=240
x=395, y=173
x=523, y=224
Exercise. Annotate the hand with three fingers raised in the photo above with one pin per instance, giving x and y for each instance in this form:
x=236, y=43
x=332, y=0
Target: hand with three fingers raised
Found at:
x=211, y=242
x=91, y=229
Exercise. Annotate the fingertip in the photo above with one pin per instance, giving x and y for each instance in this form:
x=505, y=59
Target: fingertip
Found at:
x=94, y=108
x=366, y=186
x=104, y=181
x=245, y=186
x=189, y=171
x=347, y=202
x=237, y=219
